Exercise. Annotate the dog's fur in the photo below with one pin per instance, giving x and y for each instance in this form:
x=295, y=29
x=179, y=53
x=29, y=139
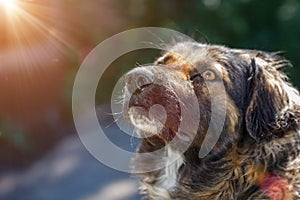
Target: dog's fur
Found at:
x=257, y=153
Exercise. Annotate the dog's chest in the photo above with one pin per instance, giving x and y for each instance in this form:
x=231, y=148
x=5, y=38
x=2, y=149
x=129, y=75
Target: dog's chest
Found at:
x=173, y=161
x=167, y=181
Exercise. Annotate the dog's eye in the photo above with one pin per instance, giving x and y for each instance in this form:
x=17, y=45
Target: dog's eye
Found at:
x=208, y=75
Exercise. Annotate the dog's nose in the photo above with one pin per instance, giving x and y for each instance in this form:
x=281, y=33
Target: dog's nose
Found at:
x=138, y=79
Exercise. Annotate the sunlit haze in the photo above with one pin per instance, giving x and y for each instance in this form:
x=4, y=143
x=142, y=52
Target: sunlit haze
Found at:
x=9, y=5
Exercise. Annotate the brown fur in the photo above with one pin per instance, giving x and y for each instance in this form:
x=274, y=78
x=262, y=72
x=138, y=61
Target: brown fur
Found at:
x=260, y=138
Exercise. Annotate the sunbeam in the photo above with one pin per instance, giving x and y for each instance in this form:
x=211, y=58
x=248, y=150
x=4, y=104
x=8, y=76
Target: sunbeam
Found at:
x=33, y=55
x=9, y=4
x=28, y=24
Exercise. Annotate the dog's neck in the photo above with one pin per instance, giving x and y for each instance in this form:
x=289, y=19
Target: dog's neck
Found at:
x=159, y=184
x=187, y=171
x=209, y=176
x=173, y=162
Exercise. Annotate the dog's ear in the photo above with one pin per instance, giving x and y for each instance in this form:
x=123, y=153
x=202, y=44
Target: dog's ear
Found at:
x=265, y=95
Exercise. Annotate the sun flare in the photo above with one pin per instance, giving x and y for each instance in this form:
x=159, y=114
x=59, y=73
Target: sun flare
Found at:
x=8, y=4
x=29, y=29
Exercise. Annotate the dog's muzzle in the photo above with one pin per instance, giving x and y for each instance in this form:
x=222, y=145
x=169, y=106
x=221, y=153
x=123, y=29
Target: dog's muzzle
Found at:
x=152, y=108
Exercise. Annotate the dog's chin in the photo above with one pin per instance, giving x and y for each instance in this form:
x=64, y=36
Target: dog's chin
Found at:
x=144, y=122
x=155, y=127
x=150, y=123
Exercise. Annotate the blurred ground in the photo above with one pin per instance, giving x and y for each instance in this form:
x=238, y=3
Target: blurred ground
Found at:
x=69, y=172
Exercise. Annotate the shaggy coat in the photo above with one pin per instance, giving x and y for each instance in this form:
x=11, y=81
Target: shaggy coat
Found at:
x=257, y=152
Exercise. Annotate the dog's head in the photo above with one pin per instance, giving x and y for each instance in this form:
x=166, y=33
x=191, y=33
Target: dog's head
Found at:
x=191, y=81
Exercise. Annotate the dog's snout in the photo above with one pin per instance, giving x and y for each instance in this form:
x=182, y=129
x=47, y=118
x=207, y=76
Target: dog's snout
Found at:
x=138, y=79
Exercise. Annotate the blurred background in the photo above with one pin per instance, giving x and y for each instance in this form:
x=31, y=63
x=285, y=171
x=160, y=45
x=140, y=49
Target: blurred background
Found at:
x=42, y=45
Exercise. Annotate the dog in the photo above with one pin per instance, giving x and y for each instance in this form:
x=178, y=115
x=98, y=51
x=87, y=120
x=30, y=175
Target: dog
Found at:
x=180, y=96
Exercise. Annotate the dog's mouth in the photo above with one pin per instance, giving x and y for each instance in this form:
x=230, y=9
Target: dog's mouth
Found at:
x=155, y=112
